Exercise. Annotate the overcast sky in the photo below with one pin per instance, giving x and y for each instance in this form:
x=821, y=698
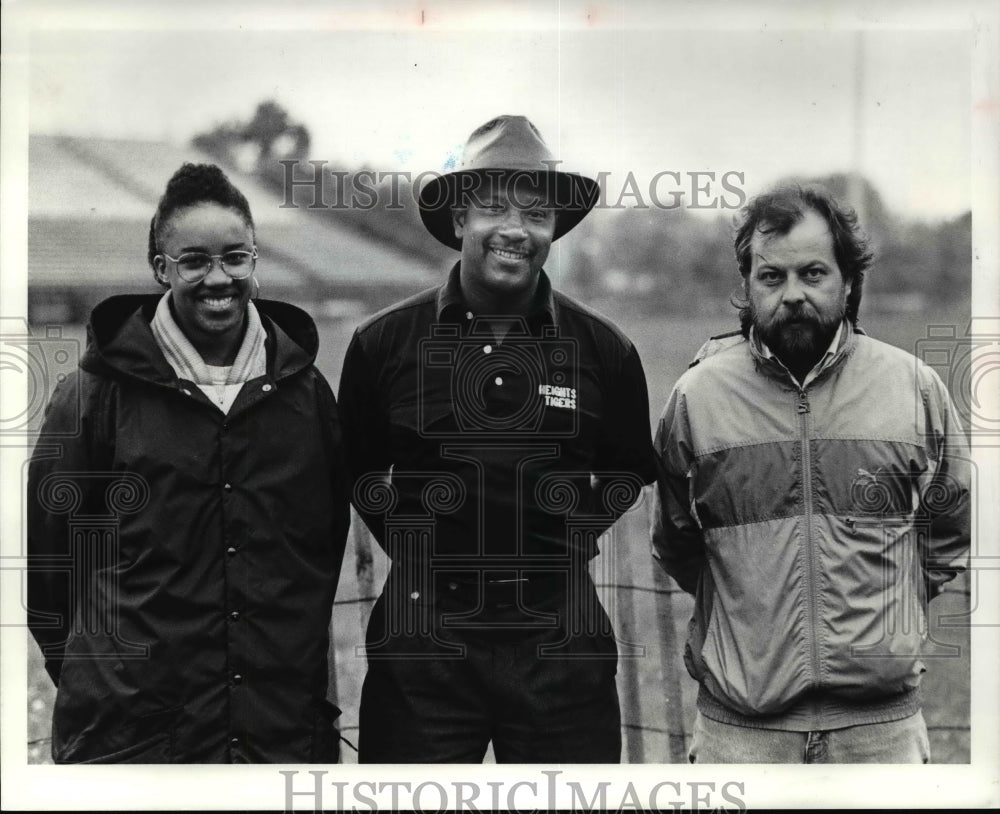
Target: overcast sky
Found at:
x=633, y=87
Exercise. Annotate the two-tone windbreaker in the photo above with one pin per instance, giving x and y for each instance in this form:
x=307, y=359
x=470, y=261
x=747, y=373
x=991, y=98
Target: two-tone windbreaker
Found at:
x=812, y=525
x=183, y=561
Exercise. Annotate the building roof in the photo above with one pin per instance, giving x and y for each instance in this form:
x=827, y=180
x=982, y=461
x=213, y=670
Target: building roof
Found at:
x=90, y=202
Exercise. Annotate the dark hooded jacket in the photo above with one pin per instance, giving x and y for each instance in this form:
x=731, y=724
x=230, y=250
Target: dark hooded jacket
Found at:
x=183, y=562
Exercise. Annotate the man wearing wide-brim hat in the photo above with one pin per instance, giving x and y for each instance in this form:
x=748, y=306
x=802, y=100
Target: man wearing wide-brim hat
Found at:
x=495, y=428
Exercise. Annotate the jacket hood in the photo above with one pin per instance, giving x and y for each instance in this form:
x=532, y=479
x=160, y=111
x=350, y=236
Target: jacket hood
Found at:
x=119, y=338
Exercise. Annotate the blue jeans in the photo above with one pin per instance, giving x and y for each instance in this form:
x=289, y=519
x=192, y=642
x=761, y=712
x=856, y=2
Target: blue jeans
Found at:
x=903, y=741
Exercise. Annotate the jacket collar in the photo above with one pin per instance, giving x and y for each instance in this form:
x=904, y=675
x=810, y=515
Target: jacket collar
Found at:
x=840, y=348
x=451, y=305
x=120, y=340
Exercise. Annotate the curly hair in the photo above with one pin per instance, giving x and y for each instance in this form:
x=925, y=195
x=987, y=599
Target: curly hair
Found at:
x=194, y=184
x=777, y=211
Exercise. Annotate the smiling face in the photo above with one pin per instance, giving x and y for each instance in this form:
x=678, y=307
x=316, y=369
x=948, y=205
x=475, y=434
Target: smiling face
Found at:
x=797, y=292
x=212, y=311
x=506, y=232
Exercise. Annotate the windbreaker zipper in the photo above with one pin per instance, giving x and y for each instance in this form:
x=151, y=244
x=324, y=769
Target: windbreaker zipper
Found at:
x=803, y=410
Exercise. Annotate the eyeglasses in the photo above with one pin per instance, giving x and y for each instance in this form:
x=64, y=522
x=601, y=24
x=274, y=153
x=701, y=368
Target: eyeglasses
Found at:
x=195, y=266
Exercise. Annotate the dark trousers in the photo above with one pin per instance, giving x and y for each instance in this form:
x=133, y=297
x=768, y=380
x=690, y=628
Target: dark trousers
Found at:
x=462, y=665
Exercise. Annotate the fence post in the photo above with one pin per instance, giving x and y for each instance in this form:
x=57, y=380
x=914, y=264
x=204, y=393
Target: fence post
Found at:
x=670, y=667
x=625, y=611
x=331, y=666
x=670, y=659
x=364, y=571
x=363, y=567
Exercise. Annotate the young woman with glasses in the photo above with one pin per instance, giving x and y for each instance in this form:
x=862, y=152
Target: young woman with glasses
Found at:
x=187, y=512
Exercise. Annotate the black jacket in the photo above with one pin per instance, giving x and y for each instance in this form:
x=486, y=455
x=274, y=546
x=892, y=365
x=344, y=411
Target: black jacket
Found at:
x=183, y=562
x=522, y=450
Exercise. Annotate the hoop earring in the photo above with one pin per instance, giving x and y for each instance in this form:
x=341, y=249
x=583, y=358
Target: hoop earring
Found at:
x=256, y=282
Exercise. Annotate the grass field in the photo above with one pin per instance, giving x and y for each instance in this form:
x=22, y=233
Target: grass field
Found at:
x=665, y=344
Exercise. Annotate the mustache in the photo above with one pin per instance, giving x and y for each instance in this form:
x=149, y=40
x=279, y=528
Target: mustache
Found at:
x=801, y=313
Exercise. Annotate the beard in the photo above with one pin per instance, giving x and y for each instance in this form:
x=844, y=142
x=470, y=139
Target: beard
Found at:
x=798, y=337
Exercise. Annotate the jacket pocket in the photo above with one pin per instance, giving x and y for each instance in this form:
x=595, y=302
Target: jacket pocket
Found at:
x=157, y=749
x=147, y=738
x=874, y=606
x=700, y=624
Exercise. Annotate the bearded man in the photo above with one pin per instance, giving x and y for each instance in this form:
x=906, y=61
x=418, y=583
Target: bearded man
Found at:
x=813, y=494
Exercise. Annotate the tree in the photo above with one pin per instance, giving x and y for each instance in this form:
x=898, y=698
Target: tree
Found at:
x=256, y=145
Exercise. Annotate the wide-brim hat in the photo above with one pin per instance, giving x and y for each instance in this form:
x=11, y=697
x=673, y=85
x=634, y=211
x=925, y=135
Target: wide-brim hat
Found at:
x=505, y=149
